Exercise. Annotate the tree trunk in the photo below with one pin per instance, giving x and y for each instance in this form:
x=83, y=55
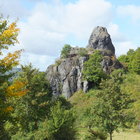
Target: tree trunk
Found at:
x=111, y=136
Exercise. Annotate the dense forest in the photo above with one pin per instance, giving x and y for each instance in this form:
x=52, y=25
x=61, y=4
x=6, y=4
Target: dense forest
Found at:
x=29, y=110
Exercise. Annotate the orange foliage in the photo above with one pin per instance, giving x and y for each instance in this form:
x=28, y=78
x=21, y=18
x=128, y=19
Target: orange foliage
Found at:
x=113, y=58
x=9, y=36
x=8, y=109
x=11, y=59
x=18, y=88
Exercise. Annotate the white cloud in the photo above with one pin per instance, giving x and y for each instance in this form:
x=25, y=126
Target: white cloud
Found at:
x=38, y=61
x=115, y=33
x=37, y=40
x=132, y=11
x=123, y=47
x=13, y=8
x=49, y=25
x=121, y=43
x=83, y=16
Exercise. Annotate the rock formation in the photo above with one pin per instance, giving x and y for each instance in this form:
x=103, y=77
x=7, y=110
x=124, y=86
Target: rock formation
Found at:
x=65, y=76
x=100, y=39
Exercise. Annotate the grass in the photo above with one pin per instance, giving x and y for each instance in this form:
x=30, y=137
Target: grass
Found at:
x=126, y=136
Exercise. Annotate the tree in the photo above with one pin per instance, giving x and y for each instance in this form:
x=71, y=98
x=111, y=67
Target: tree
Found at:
x=131, y=85
x=82, y=104
x=124, y=59
x=135, y=63
x=93, y=71
x=110, y=107
x=59, y=124
x=65, y=51
x=82, y=51
x=131, y=61
x=34, y=105
x=8, y=88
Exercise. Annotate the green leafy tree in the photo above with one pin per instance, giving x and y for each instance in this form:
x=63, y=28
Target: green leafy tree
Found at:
x=131, y=61
x=65, y=51
x=93, y=71
x=135, y=63
x=82, y=52
x=110, y=108
x=34, y=105
x=131, y=85
x=59, y=125
x=126, y=59
x=41, y=117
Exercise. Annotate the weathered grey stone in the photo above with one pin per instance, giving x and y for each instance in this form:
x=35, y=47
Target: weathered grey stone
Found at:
x=67, y=77
x=100, y=39
x=66, y=89
x=85, y=86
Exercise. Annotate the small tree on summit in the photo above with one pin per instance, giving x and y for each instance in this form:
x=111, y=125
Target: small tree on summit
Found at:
x=65, y=51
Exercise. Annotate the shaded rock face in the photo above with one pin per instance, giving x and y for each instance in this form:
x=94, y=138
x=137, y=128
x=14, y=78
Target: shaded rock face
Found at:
x=100, y=39
x=65, y=76
x=110, y=63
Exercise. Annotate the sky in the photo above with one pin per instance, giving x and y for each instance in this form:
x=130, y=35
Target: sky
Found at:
x=46, y=25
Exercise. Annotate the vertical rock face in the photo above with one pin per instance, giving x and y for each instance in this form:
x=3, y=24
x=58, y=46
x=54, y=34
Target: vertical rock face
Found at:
x=65, y=77
x=100, y=39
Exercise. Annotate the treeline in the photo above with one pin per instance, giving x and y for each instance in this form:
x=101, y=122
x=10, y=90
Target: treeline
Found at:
x=28, y=110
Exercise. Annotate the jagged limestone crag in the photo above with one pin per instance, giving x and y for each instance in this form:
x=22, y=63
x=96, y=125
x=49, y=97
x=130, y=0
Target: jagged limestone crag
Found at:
x=65, y=76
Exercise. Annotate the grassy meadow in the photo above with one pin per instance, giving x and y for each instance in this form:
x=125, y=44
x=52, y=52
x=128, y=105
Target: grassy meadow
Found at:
x=126, y=136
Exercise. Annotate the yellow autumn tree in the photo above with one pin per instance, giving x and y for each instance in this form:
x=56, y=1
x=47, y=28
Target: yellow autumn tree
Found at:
x=8, y=88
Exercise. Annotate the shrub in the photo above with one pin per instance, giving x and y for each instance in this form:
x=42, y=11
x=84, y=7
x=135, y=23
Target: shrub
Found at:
x=82, y=52
x=58, y=62
x=59, y=124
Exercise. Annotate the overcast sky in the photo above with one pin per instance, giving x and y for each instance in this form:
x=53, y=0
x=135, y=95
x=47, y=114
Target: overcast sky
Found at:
x=46, y=25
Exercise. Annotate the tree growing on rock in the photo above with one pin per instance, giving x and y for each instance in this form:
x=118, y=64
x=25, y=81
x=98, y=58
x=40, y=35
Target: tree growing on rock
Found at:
x=93, y=71
x=65, y=51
